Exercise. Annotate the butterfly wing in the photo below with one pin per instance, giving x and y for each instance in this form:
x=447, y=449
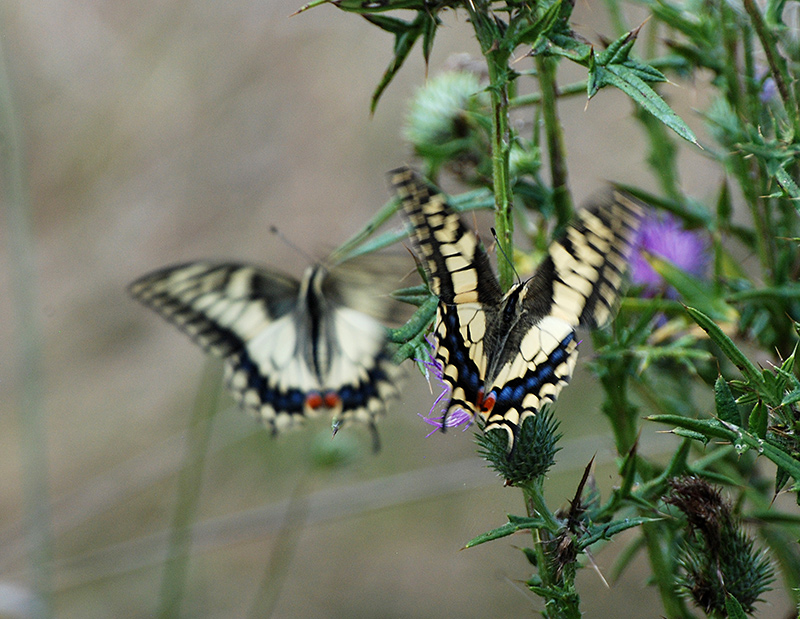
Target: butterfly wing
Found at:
x=289, y=352
x=577, y=284
x=460, y=274
x=220, y=306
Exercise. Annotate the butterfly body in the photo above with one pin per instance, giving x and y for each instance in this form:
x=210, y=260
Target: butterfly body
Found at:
x=504, y=356
x=291, y=349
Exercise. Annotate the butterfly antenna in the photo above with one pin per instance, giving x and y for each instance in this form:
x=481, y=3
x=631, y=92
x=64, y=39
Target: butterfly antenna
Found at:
x=503, y=253
x=279, y=233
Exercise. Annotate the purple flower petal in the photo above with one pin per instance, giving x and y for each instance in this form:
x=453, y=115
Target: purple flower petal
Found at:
x=665, y=237
x=436, y=414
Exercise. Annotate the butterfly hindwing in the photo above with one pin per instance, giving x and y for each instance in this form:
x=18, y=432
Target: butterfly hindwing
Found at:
x=505, y=356
x=291, y=349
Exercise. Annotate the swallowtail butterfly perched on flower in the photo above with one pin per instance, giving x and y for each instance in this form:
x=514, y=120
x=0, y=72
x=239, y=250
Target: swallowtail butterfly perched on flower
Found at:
x=504, y=356
x=291, y=348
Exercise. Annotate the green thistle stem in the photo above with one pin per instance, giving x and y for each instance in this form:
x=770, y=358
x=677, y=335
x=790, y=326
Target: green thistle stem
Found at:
x=501, y=147
x=562, y=200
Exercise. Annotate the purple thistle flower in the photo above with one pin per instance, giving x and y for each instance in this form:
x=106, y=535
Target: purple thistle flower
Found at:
x=769, y=89
x=436, y=414
x=665, y=237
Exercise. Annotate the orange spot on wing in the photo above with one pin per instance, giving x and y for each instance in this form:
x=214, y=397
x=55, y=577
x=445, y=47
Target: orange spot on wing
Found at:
x=488, y=402
x=314, y=400
x=332, y=399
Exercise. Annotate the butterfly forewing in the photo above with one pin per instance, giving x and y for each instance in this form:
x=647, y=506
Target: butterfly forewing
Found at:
x=505, y=356
x=218, y=305
x=460, y=274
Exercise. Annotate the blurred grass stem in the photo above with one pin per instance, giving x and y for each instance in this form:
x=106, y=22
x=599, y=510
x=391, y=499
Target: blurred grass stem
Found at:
x=176, y=566
x=283, y=551
x=24, y=297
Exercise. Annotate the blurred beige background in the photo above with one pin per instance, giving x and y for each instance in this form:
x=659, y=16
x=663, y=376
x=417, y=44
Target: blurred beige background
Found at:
x=158, y=132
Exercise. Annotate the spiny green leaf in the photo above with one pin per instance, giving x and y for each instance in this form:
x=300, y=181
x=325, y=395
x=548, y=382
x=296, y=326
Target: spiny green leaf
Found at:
x=729, y=349
x=617, y=51
x=789, y=185
x=513, y=525
x=417, y=323
x=691, y=434
x=791, y=398
x=636, y=88
x=757, y=424
x=714, y=428
x=727, y=410
x=405, y=37
x=607, y=531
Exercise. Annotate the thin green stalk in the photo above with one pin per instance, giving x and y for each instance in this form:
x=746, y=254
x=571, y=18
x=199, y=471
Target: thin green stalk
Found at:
x=616, y=17
x=674, y=605
x=24, y=296
x=562, y=199
x=535, y=98
x=282, y=553
x=777, y=64
x=501, y=147
x=176, y=566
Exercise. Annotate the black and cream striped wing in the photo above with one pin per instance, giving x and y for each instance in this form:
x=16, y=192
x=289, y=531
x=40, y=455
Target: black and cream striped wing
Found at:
x=577, y=284
x=506, y=356
x=460, y=274
x=289, y=350
x=219, y=305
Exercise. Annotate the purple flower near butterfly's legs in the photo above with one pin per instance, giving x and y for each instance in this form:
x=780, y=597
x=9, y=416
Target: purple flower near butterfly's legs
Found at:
x=664, y=236
x=436, y=414
x=456, y=418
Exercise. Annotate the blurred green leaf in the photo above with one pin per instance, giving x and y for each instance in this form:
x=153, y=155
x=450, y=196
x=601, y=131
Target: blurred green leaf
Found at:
x=541, y=27
x=405, y=35
x=694, y=291
x=733, y=608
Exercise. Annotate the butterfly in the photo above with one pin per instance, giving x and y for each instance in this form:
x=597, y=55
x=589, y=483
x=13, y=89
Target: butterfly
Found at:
x=504, y=356
x=291, y=349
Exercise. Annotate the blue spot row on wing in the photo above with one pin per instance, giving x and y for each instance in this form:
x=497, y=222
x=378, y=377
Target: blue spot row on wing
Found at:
x=358, y=395
x=515, y=390
x=291, y=401
x=469, y=378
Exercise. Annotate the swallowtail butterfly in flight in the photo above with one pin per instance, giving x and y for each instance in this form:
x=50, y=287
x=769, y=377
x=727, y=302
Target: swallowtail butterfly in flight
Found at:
x=504, y=356
x=291, y=349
